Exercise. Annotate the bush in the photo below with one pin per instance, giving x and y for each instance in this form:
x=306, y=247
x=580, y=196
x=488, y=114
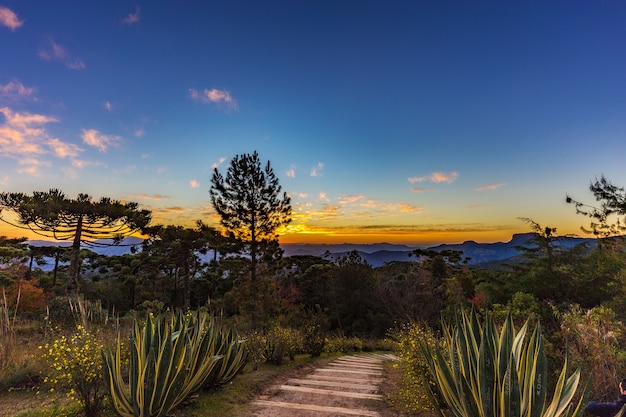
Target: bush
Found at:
x=75, y=366
x=277, y=344
x=343, y=345
x=595, y=344
x=414, y=367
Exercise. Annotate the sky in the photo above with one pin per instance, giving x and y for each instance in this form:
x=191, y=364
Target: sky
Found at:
x=414, y=122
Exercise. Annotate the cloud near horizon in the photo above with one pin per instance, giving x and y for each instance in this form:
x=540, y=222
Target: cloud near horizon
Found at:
x=490, y=187
x=100, y=141
x=194, y=183
x=436, y=177
x=214, y=96
x=55, y=52
x=9, y=19
x=422, y=189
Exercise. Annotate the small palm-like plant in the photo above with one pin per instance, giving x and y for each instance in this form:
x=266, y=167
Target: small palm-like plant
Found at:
x=169, y=360
x=486, y=373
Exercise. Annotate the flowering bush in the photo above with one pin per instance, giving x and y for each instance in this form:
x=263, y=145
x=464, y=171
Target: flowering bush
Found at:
x=415, y=370
x=343, y=345
x=75, y=366
x=273, y=347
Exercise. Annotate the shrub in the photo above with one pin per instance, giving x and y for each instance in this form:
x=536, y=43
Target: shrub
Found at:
x=277, y=344
x=416, y=376
x=342, y=344
x=314, y=340
x=75, y=366
x=594, y=342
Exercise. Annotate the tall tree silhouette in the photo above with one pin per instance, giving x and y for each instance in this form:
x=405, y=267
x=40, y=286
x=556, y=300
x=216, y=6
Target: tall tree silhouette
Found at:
x=81, y=220
x=251, y=207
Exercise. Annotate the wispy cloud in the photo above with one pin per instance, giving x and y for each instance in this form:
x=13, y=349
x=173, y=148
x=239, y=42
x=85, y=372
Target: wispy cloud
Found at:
x=32, y=166
x=52, y=51
x=9, y=19
x=437, y=177
x=422, y=189
x=100, y=141
x=139, y=132
x=291, y=172
x=151, y=197
x=490, y=187
x=132, y=18
x=350, y=199
x=107, y=105
x=16, y=91
x=316, y=171
x=221, y=98
x=194, y=183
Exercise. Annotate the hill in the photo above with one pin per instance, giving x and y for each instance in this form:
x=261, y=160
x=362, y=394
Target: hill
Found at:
x=376, y=254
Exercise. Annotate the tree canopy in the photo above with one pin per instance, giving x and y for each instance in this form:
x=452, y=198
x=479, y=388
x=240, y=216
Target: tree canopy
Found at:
x=82, y=220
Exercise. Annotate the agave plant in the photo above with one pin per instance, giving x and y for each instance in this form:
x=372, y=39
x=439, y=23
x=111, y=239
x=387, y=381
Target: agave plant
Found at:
x=169, y=360
x=486, y=373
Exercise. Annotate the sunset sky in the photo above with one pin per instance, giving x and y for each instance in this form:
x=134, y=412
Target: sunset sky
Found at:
x=415, y=122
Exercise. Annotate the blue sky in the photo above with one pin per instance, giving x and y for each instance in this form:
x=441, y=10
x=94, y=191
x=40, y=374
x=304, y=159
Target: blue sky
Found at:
x=400, y=121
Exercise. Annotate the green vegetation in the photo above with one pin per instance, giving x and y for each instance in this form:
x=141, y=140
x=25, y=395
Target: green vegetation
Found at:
x=170, y=359
x=120, y=346
x=483, y=372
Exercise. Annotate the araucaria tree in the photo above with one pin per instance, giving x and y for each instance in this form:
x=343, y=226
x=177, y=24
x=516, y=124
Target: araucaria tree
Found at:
x=251, y=206
x=81, y=220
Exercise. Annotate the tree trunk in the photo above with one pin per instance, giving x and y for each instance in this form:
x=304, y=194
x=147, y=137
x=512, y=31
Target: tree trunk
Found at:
x=72, y=279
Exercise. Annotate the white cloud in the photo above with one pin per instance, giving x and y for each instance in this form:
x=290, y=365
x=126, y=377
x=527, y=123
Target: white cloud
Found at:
x=140, y=132
x=100, y=141
x=316, y=170
x=194, y=184
x=55, y=52
x=15, y=91
x=291, y=173
x=107, y=105
x=9, y=19
x=218, y=163
x=436, y=177
x=490, y=187
x=132, y=18
x=214, y=96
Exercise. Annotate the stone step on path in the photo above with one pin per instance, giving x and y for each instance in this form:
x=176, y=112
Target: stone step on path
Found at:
x=347, y=386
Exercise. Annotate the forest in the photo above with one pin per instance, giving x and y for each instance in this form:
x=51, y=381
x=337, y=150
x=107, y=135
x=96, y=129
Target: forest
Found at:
x=241, y=302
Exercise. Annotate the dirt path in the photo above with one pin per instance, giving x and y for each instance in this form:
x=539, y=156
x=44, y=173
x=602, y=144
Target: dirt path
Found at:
x=347, y=386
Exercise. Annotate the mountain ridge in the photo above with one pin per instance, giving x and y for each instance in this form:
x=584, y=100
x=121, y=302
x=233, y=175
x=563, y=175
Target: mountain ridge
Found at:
x=376, y=254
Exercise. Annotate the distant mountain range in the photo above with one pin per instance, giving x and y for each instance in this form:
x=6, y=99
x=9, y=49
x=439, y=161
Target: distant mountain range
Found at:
x=376, y=254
